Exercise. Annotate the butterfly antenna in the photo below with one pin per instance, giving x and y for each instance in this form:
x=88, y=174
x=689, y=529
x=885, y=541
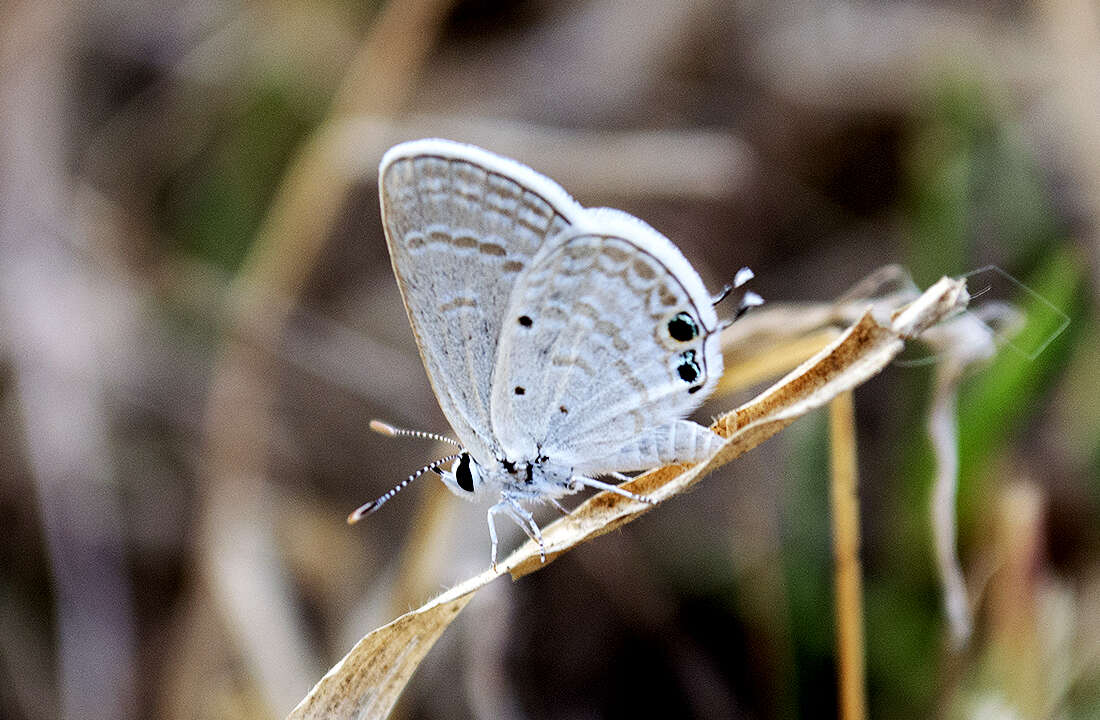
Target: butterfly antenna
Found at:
x=743, y=276
x=367, y=508
x=750, y=300
x=384, y=428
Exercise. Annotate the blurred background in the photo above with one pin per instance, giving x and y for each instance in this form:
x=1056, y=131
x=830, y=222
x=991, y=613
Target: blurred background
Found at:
x=198, y=318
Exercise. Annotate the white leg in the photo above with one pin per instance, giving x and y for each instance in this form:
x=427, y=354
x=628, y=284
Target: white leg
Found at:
x=526, y=521
x=554, y=501
x=500, y=506
x=599, y=485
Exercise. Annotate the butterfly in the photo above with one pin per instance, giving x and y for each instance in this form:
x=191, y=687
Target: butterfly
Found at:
x=565, y=344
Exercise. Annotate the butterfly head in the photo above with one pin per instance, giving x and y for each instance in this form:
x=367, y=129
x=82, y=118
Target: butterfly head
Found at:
x=465, y=478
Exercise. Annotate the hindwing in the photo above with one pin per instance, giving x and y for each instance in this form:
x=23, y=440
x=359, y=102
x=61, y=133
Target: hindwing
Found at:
x=609, y=336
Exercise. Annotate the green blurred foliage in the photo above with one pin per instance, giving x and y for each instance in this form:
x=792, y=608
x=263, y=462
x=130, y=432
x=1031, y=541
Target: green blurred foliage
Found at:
x=970, y=178
x=217, y=204
x=996, y=402
x=971, y=184
x=807, y=560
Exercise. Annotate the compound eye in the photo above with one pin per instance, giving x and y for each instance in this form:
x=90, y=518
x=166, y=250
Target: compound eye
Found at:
x=463, y=476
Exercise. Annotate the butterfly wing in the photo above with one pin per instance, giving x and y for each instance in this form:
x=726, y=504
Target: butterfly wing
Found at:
x=610, y=338
x=462, y=224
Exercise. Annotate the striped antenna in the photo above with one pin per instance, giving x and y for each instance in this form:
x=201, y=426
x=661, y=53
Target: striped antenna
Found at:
x=384, y=428
x=367, y=508
x=743, y=276
x=748, y=301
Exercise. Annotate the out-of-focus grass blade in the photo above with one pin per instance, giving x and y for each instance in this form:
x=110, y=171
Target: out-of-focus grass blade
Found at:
x=994, y=403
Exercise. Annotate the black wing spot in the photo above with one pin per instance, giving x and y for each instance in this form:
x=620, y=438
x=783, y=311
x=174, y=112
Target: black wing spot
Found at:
x=525, y=321
x=688, y=369
x=682, y=327
x=519, y=390
x=564, y=410
x=463, y=475
x=688, y=372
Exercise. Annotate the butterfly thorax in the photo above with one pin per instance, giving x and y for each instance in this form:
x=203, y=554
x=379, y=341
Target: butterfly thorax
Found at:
x=528, y=479
x=534, y=478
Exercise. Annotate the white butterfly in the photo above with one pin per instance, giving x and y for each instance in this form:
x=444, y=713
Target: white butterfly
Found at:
x=563, y=343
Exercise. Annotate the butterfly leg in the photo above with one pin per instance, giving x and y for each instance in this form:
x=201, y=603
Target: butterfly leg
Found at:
x=525, y=520
x=600, y=485
x=499, y=507
x=561, y=508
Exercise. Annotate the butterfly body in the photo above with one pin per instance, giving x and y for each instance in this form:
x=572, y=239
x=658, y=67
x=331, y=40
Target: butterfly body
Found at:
x=532, y=479
x=563, y=343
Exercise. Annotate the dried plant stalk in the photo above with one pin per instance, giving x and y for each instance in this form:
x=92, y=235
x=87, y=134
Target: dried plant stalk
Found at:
x=744, y=372
x=238, y=413
x=848, y=576
x=966, y=342
x=368, y=681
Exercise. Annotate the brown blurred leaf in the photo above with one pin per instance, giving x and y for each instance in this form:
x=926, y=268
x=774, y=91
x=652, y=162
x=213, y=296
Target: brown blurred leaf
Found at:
x=368, y=681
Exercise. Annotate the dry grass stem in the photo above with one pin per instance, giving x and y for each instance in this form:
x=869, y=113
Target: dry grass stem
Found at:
x=964, y=342
x=63, y=331
x=749, y=370
x=848, y=576
x=881, y=58
x=771, y=340
x=367, y=682
x=237, y=499
x=1069, y=28
x=697, y=164
x=943, y=431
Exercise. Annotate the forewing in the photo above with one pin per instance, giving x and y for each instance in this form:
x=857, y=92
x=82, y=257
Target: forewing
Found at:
x=609, y=336
x=461, y=225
